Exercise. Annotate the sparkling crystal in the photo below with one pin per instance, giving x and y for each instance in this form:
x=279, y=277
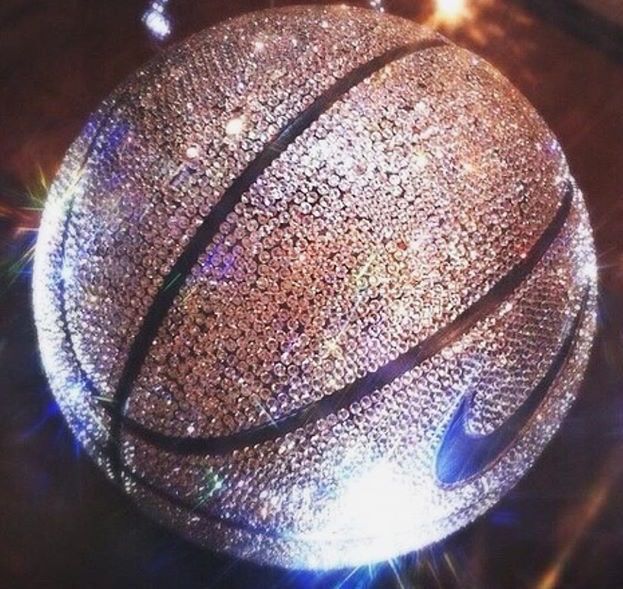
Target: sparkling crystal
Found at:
x=388, y=217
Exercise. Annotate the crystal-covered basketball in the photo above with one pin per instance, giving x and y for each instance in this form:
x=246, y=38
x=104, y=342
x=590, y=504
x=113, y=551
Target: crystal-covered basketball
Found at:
x=315, y=287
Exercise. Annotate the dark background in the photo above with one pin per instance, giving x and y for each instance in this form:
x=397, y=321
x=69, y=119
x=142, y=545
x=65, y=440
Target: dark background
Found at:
x=63, y=525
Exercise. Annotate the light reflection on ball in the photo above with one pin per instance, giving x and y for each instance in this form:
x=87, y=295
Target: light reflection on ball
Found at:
x=287, y=265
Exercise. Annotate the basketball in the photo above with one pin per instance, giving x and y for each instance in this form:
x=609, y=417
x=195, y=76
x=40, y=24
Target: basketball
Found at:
x=315, y=287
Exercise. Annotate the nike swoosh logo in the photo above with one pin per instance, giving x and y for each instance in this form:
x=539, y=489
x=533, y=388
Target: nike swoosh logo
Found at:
x=462, y=456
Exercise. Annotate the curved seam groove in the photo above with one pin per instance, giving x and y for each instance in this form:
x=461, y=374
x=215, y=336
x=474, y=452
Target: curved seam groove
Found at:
x=176, y=277
x=372, y=381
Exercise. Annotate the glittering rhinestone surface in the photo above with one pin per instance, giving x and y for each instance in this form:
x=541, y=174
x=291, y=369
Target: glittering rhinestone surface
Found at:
x=392, y=183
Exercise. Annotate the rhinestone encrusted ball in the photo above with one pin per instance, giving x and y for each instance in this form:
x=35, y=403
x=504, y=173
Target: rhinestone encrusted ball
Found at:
x=315, y=287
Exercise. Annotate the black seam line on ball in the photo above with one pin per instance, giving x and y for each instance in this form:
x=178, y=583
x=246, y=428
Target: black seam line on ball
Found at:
x=195, y=508
x=84, y=377
x=372, y=381
x=533, y=401
x=175, y=279
x=462, y=456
